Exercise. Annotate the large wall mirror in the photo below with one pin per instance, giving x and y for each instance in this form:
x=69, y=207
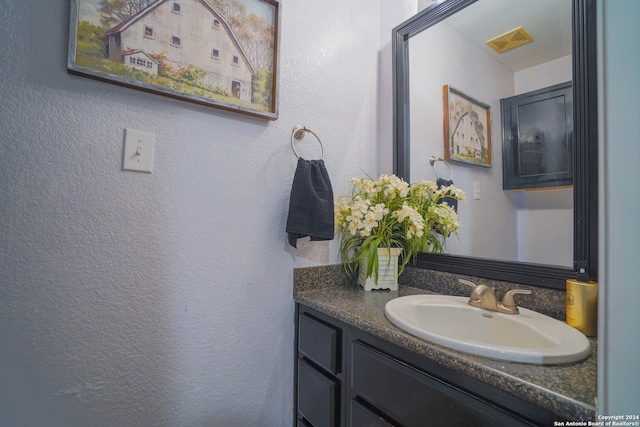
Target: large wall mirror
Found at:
x=539, y=237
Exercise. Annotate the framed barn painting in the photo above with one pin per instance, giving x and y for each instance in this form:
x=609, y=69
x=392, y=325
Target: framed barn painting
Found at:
x=467, y=128
x=220, y=53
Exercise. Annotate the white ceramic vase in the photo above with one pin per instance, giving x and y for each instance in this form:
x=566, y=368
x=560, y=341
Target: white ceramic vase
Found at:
x=387, y=271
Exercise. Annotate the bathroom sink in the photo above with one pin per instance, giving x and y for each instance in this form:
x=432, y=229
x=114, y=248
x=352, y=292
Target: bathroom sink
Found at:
x=528, y=337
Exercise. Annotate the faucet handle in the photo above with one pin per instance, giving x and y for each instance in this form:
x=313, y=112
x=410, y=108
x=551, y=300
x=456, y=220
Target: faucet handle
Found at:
x=477, y=289
x=474, y=293
x=468, y=283
x=508, y=302
x=474, y=298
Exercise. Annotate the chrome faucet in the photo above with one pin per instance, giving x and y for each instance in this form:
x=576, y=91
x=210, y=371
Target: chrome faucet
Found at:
x=482, y=296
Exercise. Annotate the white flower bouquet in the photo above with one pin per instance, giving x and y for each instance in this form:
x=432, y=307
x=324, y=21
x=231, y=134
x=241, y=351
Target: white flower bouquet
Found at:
x=390, y=213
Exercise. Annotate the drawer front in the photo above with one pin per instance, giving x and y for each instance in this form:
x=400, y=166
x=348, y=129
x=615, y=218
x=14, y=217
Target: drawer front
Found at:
x=319, y=342
x=363, y=417
x=414, y=398
x=317, y=396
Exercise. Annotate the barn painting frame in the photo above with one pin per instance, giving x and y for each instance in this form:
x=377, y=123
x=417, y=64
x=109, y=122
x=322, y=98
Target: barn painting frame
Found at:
x=219, y=53
x=467, y=128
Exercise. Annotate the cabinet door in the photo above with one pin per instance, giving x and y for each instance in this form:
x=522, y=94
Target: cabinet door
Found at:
x=413, y=398
x=317, y=396
x=538, y=138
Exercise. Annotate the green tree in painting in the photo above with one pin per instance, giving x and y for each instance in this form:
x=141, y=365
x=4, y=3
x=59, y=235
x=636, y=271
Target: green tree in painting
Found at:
x=232, y=10
x=262, y=88
x=256, y=37
x=91, y=41
x=112, y=12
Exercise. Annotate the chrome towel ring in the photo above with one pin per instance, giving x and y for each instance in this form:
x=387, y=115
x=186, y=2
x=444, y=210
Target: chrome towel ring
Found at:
x=298, y=132
x=433, y=160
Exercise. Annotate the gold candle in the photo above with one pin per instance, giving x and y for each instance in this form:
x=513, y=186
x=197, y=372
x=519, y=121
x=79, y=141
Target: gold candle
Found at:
x=582, y=306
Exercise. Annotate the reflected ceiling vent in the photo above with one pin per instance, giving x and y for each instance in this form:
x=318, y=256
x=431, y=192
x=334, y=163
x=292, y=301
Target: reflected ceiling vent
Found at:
x=510, y=40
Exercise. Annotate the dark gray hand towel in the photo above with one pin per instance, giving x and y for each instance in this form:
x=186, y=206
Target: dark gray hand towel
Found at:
x=311, y=203
x=449, y=200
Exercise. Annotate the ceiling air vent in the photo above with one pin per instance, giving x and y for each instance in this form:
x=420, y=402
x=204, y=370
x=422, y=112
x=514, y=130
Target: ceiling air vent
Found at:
x=513, y=38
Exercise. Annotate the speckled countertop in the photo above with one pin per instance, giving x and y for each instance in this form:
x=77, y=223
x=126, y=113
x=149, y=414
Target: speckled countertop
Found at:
x=569, y=390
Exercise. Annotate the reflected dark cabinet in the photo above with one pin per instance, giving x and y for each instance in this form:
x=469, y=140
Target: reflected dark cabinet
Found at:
x=347, y=377
x=537, y=138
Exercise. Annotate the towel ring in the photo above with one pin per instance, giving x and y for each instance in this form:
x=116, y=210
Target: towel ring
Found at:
x=433, y=160
x=298, y=132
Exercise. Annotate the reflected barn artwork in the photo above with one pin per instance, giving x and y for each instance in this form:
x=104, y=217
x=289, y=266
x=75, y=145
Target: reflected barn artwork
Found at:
x=467, y=128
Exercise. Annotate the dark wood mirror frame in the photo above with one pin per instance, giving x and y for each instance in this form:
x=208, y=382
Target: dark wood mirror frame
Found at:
x=585, y=223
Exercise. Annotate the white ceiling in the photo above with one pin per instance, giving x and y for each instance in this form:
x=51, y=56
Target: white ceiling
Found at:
x=548, y=22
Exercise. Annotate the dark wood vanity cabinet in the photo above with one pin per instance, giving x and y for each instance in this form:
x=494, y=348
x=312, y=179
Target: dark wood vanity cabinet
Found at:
x=347, y=377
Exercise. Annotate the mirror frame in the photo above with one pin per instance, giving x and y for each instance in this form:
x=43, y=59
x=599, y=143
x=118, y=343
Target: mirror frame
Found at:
x=585, y=128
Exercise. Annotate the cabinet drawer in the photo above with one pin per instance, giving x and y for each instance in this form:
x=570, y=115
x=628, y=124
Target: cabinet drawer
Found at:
x=363, y=417
x=414, y=398
x=317, y=396
x=319, y=342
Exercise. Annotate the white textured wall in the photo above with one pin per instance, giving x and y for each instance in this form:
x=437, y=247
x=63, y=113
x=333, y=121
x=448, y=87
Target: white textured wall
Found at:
x=132, y=299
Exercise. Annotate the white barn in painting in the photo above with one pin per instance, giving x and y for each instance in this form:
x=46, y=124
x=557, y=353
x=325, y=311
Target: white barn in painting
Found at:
x=465, y=139
x=189, y=32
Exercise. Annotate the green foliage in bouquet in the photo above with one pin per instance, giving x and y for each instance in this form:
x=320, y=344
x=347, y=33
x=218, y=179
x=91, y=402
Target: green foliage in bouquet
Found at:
x=390, y=213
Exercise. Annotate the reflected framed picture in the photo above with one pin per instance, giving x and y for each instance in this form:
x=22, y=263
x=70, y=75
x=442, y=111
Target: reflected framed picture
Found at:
x=467, y=128
x=212, y=52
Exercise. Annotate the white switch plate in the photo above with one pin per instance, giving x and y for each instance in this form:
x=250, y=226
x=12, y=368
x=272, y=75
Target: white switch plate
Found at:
x=476, y=190
x=138, y=150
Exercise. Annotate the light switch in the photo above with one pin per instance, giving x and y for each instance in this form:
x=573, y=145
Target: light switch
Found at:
x=138, y=150
x=476, y=190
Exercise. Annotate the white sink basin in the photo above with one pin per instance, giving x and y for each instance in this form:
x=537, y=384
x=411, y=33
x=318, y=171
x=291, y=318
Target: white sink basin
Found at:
x=528, y=337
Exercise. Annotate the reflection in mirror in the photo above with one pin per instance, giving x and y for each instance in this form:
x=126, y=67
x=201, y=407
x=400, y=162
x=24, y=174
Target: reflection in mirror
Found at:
x=422, y=68
x=532, y=226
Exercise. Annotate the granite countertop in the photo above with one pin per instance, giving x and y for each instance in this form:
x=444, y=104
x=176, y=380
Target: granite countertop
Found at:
x=569, y=390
